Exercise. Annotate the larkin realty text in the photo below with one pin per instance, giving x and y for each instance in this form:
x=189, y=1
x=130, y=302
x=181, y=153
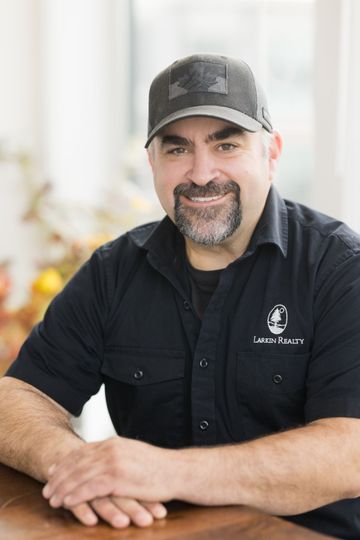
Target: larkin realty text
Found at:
x=280, y=340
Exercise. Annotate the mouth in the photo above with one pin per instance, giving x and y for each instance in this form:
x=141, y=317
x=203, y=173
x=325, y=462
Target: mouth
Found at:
x=203, y=201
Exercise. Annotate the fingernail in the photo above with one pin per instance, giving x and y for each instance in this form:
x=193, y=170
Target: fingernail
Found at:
x=54, y=502
x=46, y=491
x=51, y=469
x=90, y=519
x=121, y=521
x=160, y=512
x=144, y=519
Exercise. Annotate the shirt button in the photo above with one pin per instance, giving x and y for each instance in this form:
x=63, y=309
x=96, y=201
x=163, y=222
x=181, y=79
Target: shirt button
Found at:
x=277, y=379
x=204, y=424
x=138, y=374
x=204, y=363
x=186, y=305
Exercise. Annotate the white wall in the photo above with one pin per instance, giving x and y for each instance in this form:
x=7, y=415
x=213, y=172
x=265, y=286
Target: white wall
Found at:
x=336, y=189
x=19, y=129
x=84, y=102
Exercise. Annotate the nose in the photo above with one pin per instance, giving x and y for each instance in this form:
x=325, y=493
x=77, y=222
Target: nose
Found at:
x=202, y=167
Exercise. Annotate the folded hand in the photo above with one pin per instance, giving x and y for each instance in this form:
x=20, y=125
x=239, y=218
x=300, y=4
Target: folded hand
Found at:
x=114, y=468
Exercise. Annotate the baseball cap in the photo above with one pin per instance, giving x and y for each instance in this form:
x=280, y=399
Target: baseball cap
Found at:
x=207, y=85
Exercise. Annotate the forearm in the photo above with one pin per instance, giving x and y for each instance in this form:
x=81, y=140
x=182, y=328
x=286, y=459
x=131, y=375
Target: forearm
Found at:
x=34, y=431
x=287, y=473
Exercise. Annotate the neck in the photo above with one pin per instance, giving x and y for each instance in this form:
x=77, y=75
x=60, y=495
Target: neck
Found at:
x=221, y=255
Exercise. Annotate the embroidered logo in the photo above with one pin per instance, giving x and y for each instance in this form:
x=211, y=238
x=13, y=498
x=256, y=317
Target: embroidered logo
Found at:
x=277, y=319
x=198, y=77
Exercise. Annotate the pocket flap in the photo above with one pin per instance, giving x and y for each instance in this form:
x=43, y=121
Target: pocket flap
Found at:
x=279, y=373
x=140, y=366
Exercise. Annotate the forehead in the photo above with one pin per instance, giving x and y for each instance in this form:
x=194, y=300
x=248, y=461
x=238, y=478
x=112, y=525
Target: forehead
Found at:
x=200, y=125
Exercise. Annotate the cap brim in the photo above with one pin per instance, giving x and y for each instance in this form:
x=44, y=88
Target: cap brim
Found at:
x=212, y=111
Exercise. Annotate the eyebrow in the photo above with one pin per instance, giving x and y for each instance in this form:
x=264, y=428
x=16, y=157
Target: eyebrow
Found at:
x=219, y=135
x=174, y=139
x=225, y=133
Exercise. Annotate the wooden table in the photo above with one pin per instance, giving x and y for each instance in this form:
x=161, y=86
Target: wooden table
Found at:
x=26, y=515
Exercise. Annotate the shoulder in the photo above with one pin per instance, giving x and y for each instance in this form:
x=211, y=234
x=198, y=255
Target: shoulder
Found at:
x=115, y=261
x=319, y=228
x=128, y=244
x=329, y=246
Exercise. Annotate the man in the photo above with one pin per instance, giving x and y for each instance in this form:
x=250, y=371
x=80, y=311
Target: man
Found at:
x=227, y=335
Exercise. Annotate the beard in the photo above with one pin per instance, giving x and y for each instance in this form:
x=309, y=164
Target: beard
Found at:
x=210, y=225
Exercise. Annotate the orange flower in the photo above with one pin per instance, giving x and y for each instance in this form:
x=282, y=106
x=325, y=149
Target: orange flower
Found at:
x=48, y=283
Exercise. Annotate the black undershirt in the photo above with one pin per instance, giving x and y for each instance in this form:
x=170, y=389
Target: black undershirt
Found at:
x=203, y=284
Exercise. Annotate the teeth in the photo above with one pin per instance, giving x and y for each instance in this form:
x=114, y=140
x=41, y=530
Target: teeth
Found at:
x=205, y=199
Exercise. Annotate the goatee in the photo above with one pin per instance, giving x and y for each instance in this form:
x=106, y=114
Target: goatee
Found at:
x=213, y=224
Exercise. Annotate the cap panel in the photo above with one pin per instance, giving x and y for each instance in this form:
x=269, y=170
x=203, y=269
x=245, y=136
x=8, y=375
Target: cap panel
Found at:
x=205, y=81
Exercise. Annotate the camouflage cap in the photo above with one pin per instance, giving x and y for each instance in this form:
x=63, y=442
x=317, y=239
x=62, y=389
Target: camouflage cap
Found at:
x=207, y=85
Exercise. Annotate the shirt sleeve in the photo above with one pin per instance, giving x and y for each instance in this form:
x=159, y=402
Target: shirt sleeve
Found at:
x=62, y=356
x=333, y=381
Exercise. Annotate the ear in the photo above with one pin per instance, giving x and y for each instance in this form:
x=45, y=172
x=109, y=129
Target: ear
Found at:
x=275, y=149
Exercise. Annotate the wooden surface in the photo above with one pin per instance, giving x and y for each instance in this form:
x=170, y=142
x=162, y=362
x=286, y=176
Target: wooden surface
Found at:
x=25, y=515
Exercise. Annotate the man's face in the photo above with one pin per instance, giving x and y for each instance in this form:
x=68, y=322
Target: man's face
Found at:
x=211, y=177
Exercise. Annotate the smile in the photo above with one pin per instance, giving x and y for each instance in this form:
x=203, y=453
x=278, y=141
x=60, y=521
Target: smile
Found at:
x=203, y=201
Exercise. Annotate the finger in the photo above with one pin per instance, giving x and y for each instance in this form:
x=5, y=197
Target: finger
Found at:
x=157, y=509
x=84, y=514
x=110, y=512
x=83, y=481
x=138, y=514
x=71, y=494
x=60, y=475
x=78, y=461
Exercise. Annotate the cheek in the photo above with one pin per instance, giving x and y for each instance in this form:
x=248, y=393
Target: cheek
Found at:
x=253, y=183
x=165, y=192
x=166, y=178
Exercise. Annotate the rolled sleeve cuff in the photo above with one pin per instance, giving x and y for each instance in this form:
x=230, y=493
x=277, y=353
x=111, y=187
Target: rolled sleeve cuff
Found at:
x=338, y=407
x=57, y=389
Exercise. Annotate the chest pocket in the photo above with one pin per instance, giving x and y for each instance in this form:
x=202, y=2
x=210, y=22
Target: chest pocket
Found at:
x=145, y=393
x=271, y=391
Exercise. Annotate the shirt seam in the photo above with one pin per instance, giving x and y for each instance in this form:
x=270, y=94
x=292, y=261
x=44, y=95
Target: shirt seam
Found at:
x=324, y=235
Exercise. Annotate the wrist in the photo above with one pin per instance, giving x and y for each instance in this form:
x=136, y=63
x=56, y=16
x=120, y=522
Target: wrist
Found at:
x=179, y=474
x=193, y=474
x=54, y=454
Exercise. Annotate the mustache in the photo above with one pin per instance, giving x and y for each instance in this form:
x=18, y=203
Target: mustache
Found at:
x=211, y=189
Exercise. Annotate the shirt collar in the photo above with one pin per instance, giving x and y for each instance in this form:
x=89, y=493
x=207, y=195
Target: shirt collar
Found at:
x=161, y=238
x=272, y=227
x=164, y=239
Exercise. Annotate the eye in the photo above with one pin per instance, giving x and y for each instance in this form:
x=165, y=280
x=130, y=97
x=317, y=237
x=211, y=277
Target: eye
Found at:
x=226, y=147
x=177, y=151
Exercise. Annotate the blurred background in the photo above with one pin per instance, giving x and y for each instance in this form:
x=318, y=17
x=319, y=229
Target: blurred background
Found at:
x=73, y=114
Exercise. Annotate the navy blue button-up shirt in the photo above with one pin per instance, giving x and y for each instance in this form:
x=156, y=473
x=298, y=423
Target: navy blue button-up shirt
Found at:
x=278, y=345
